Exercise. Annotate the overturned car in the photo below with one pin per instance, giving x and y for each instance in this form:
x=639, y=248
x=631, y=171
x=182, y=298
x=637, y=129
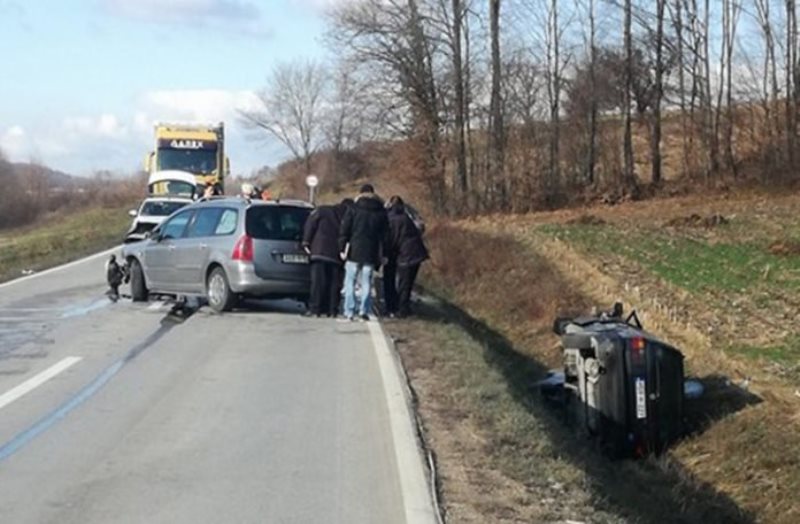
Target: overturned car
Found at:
x=620, y=384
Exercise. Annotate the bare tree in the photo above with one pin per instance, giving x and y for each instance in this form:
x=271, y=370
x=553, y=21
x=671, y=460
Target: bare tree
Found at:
x=392, y=35
x=497, y=126
x=462, y=183
x=628, y=175
x=592, y=154
x=554, y=68
x=790, y=51
x=291, y=108
x=769, y=80
x=655, y=141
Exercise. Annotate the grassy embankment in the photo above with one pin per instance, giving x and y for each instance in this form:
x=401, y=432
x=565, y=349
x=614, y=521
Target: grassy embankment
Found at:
x=59, y=239
x=725, y=293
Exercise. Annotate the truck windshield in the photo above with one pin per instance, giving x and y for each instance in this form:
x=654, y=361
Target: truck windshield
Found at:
x=193, y=160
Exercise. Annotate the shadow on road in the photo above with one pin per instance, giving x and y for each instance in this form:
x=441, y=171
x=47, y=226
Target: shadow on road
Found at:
x=656, y=490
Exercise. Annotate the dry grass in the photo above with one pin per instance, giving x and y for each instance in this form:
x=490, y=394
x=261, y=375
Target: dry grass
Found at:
x=507, y=296
x=61, y=238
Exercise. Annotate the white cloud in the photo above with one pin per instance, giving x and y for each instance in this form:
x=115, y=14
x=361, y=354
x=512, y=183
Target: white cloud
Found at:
x=199, y=105
x=80, y=144
x=239, y=17
x=105, y=125
x=14, y=143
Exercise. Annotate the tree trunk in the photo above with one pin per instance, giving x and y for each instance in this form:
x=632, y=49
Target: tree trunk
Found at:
x=655, y=145
x=679, y=32
x=458, y=79
x=592, y=154
x=791, y=28
x=497, y=129
x=628, y=175
x=554, y=87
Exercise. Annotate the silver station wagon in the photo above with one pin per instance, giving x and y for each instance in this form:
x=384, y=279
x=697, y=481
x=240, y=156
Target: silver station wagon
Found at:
x=224, y=249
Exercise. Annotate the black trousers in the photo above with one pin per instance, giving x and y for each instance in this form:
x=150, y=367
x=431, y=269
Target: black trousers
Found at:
x=326, y=287
x=390, y=288
x=406, y=275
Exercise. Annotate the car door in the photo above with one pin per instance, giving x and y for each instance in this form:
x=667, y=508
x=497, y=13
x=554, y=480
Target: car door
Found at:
x=193, y=256
x=161, y=255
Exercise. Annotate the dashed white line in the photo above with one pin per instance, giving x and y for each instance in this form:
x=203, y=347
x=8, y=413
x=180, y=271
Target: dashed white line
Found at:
x=37, y=380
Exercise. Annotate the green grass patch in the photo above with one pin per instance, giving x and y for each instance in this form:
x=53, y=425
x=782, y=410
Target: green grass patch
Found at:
x=60, y=239
x=786, y=353
x=695, y=265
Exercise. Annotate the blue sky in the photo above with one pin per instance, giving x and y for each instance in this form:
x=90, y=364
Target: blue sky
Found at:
x=84, y=80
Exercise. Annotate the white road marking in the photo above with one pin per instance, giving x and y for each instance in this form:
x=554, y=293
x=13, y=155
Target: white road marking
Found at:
x=59, y=268
x=37, y=380
x=416, y=493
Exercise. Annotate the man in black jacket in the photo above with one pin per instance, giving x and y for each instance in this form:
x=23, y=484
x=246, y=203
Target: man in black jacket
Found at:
x=320, y=240
x=361, y=242
x=407, y=252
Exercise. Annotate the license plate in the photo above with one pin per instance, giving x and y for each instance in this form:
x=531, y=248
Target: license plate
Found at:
x=295, y=259
x=641, y=399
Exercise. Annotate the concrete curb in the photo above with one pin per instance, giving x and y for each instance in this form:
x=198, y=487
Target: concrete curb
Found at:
x=418, y=494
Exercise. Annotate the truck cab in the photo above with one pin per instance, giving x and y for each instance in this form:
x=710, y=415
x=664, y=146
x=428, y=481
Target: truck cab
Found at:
x=198, y=149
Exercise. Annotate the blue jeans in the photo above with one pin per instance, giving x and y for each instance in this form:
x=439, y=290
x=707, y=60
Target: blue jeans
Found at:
x=351, y=270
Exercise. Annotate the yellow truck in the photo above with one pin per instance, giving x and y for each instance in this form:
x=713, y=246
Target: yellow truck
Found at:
x=198, y=149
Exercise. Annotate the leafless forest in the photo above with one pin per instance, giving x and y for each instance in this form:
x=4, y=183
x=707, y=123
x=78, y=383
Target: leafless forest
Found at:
x=513, y=105
x=30, y=191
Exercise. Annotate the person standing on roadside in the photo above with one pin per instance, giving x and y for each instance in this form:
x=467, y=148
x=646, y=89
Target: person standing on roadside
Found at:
x=361, y=242
x=321, y=242
x=407, y=252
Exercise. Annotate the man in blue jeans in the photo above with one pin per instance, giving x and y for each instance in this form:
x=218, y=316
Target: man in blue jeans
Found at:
x=361, y=241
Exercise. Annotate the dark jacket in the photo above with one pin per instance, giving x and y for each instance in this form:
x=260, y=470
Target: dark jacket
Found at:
x=406, y=247
x=321, y=233
x=365, y=227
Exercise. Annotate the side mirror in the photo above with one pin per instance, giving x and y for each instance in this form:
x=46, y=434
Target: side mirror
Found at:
x=148, y=162
x=133, y=213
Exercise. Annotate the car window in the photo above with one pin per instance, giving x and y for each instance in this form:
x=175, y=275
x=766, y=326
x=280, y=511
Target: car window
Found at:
x=175, y=227
x=160, y=208
x=276, y=222
x=227, y=222
x=204, y=223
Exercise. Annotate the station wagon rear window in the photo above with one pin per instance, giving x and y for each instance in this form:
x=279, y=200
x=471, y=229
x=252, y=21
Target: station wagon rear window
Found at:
x=276, y=222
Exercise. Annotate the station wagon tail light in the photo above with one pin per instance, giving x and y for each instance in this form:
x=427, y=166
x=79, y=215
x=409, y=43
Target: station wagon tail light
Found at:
x=637, y=350
x=243, y=250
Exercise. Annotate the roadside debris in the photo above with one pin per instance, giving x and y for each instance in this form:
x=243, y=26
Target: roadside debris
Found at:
x=695, y=220
x=785, y=248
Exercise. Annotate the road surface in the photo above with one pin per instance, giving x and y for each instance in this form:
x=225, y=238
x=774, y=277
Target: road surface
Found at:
x=125, y=413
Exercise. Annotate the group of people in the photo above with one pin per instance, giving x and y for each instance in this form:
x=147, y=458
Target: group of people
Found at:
x=351, y=241
x=247, y=190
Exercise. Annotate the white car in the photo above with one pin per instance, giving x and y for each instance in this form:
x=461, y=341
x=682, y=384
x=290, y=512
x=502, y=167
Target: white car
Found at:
x=168, y=191
x=151, y=213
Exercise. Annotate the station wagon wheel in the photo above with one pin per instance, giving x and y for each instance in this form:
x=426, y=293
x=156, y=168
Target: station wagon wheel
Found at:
x=139, y=291
x=219, y=294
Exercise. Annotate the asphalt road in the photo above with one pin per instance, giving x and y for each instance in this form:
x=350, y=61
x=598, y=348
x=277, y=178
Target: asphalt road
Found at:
x=124, y=413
